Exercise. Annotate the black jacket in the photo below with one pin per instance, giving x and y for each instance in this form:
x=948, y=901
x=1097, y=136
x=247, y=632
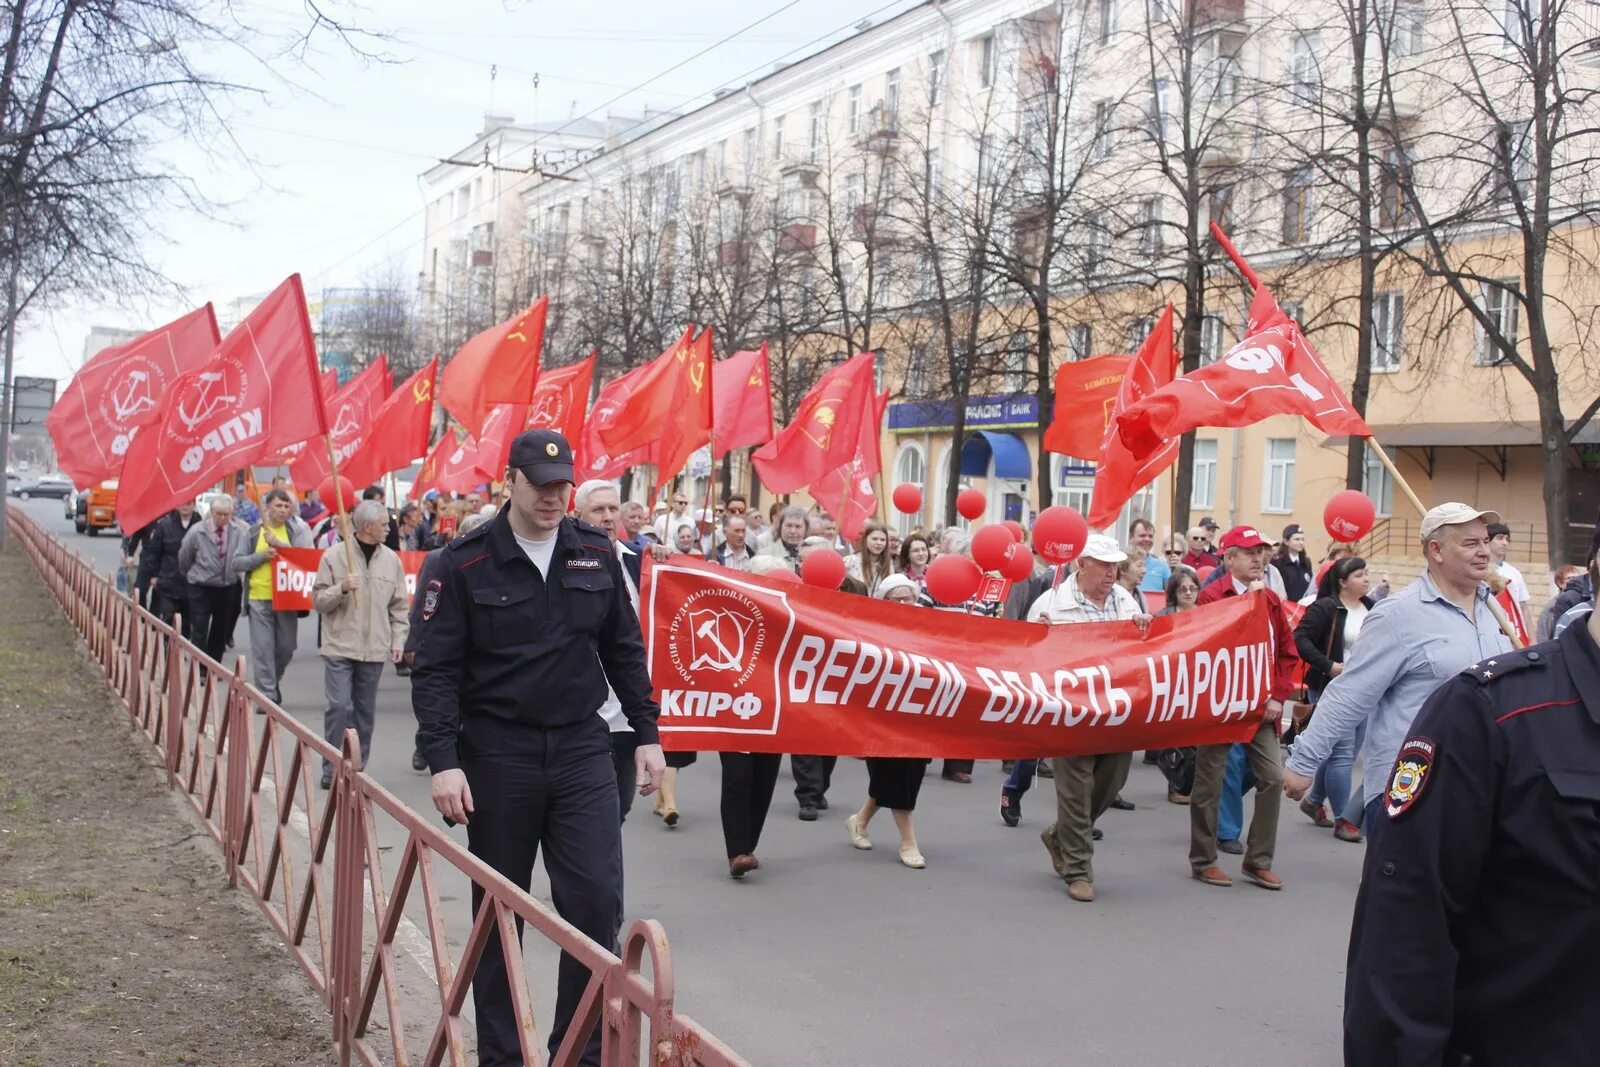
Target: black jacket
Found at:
x=1577, y=591
x=162, y=539
x=1320, y=638
x=1297, y=575
x=501, y=648
x=1476, y=929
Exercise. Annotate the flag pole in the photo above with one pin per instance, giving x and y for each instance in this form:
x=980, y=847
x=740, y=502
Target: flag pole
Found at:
x=348, y=531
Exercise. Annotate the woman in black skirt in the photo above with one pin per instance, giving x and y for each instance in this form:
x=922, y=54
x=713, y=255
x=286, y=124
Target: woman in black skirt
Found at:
x=893, y=782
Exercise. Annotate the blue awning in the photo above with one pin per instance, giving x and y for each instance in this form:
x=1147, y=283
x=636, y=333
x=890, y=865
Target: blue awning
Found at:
x=1011, y=459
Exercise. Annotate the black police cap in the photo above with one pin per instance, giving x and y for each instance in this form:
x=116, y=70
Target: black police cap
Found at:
x=543, y=456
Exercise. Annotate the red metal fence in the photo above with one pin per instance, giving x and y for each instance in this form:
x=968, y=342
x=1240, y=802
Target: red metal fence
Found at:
x=314, y=864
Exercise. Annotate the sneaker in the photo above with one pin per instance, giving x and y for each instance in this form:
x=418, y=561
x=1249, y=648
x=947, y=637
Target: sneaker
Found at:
x=1317, y=813
x=822, y=803
x=1347, y=831
x=418, y=761
x=1175, y=797
x=1096, y=834
x=1058, y=862
x=1234, y=847
x=808, y=813
x=1010, y=807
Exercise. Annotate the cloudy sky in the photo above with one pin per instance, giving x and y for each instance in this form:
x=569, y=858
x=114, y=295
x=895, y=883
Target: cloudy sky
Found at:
x=333, y=192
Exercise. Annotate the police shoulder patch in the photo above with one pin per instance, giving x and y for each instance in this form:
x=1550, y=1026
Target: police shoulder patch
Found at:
x=1412, y=770
x=430, y=599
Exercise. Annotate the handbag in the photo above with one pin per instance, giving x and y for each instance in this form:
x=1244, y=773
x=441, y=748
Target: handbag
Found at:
x=1305, y=707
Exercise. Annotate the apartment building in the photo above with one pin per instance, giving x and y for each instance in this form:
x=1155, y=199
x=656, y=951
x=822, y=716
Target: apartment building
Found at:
x=887, y=192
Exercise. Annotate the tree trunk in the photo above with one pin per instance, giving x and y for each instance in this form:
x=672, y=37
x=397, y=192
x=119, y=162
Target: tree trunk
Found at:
x=1193, y=313
x=1046, y=392
x=1355, y=470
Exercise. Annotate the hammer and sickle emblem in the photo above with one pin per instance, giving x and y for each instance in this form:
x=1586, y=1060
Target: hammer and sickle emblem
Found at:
x=422, y=391
x=697, y=374
x=755, y=380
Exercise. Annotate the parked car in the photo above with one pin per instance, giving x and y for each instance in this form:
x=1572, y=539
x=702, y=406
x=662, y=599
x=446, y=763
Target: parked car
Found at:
x=13, y=482
x=49, y=487
x=96, y=508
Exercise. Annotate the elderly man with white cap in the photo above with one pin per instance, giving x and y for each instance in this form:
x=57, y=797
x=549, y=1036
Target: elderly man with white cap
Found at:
x=1410, y=643
x=1085, y=785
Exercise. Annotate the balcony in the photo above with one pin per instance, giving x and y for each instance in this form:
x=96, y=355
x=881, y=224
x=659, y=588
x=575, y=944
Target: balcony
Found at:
x=1227, y=143
x=482, y=257
x=880, y=129
x=800, y=237
x=734, y=190
x=803, y=169
x=1211, y=13
x=1407, y=95
x=733, y=253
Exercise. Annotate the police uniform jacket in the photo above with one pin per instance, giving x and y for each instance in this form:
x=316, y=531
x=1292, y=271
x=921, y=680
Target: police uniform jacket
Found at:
x=498, y=647
x=1477, y=929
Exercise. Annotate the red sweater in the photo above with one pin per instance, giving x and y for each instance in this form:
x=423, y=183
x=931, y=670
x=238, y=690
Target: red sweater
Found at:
x=1286, y=658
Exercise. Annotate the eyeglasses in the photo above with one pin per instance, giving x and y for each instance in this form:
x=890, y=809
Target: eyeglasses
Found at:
x=1199, y=540
x=1185, y=590
x=681, y=503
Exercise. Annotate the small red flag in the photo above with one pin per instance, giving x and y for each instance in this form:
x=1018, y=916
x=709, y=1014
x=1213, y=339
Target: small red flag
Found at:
x=457, y=471
x=400, y=429
x=428, y=475
x=1118, y=474
x=350, y=412
x=505, y=421
x=825, y=431
x=848, y=494
x=260, y=392
x=561, y=399
x=498, y=366
x=1086, y=391
x=1272, y=371
x=742, y=386
x=669, y=405
x=592, y=458
x=122, y=388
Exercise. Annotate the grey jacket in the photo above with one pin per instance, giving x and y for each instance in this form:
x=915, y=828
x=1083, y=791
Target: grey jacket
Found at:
x=244, y=559
x=198, y=560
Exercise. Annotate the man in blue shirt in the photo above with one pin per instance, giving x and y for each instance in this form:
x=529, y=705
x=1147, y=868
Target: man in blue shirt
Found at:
x=1156, y=569
x=1410, y=643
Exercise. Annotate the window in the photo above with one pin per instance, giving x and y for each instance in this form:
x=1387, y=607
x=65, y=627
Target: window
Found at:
x=853, y=110
x=910, y=465
x=1016, y=364
x=1394, y=210
x=1229, y=76
x=1150, y=227
x=1107, y=20
x=1297, y=207
x=933, y=171
x=720, y=173
x=917, y=370
x=1160, y=11
x=1210, y=339
x=1277, y=491
x=935, y=76
x=1501, y=302
x=814, y=137
x=1511, y=24
x=847, y=278
x=1080, y=341
x=777, y=138
x=1103, y=142
x=1138, y=330
x=1219, y=207
x=1303, y=78
x=1295, y=309
x=882, y=280
x=1204, y=492
x=1405, y=32
x=1160, y=108
x=891, y=98
x=1513, y=159
x=1097, y=245
x=751, y=146
x=986, y=61
x=1388, y=326
x=985, y=158
x=1377, y=484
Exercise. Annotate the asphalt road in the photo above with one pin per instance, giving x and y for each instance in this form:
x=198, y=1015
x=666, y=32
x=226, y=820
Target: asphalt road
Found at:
x=828, y=955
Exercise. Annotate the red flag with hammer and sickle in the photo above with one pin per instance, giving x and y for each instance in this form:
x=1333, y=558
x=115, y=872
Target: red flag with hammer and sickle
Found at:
x=498, y=366
x=670, y=404
x=400, y=429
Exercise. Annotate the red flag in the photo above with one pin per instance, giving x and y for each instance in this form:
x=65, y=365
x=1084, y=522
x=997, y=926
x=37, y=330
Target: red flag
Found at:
x=122, y=388
x=1119, y=475
x=400, y=429
x=426, y=477
x=505, y=421
x=669, y=405
x=592, y=458
x=457, y=471
x=1085, y=390
x=350, y=412
x=847, y=493
x=1272, y=371
x=561, y=399
x=261, y=392
x=742, y=386
x=825, y=431
x=498, y=366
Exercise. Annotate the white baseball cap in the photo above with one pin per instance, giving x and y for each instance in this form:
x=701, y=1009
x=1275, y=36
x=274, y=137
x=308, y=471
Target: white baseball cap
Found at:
x=1453, y=514
x=1102, y=548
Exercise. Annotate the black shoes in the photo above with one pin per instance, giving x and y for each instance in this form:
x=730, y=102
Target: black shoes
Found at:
x=808, y=813
x=822, y=803
x=1234, y=847
x=418, y=761
x=1010, y=807
x=1121, y=805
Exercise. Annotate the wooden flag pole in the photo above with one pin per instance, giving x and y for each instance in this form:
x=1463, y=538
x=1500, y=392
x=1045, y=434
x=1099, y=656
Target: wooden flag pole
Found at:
x=348, y=530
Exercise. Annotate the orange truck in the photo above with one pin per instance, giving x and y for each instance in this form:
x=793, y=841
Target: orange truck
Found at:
x=96, y=509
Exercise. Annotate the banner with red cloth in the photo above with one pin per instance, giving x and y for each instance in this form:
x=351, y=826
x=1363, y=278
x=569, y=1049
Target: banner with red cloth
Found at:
x=561, y=400
x=294, y=572
x=746, y=664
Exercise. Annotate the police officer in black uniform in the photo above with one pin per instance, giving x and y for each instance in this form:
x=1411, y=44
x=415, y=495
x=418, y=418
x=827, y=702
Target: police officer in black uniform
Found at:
x=1476, y=938
x=525, y=622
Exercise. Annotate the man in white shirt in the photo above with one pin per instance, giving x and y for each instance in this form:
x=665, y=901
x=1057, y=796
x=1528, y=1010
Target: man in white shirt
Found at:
x=1510, y=589
x=1085, y=785
x=668, y=523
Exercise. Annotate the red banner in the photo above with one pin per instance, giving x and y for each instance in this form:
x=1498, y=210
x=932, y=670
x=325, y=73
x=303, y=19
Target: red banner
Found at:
x=294, y=572
x=742, y=664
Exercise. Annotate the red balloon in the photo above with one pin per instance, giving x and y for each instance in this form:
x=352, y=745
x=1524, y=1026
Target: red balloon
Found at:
x=989, y=547
x=346, y=487
x=1205, y=572
x=907, y=498
x=789, y=577
x=1349, y=515
x=971, y=503
x=1059, y=533
x=1017, y=531
x=1018, y=564
x=824, y=568
x=953, y=579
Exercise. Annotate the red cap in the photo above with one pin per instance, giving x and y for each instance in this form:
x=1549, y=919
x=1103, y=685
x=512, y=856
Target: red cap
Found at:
x=1242, y=537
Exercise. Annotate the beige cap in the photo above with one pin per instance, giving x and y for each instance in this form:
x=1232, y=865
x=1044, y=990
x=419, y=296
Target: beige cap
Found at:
x=1102, y=548
x=1453, y=514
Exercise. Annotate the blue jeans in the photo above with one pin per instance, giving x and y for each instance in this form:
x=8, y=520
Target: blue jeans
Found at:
x=1332, y=780
x=1237, y=780
x=1021, y=777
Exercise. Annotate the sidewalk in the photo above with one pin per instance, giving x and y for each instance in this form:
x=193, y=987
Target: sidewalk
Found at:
x=119, y=940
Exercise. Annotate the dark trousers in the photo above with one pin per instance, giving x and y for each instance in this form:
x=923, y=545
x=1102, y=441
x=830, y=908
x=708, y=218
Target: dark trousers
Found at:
x=623, y=745
x=958, y=766
x=213, y=612
x=558, y=788
x=748, y=779
x=812, y=776
x=167, y=608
